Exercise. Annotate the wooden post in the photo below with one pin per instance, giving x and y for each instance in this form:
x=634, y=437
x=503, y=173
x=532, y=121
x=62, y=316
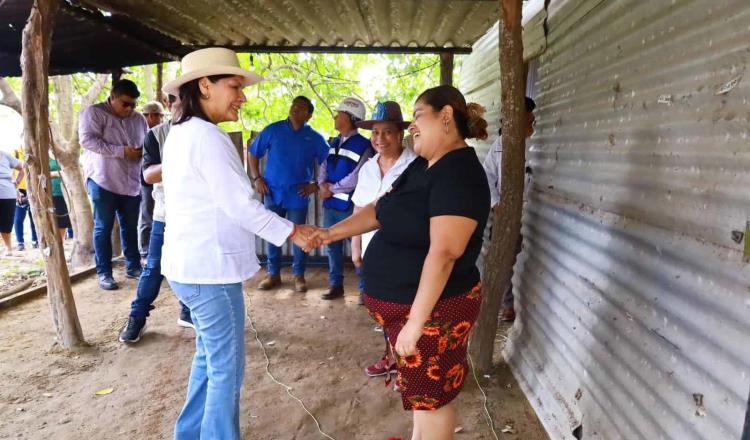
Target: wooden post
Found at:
x=36, y=42
x=116, y=75
x=446, y=69
x=160, y=83
x=506, y=226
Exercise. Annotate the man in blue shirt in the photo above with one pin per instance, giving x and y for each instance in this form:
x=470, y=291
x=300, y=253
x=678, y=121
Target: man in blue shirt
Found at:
x=293, y=148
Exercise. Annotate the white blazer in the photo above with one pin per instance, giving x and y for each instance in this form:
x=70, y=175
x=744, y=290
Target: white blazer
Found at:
x=211, y=216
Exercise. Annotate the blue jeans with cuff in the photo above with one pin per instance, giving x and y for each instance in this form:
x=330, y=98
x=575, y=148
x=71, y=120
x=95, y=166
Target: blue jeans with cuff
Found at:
x=212, y=407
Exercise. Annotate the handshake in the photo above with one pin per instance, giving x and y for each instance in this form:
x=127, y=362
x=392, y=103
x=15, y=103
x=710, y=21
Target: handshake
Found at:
x=309, y=237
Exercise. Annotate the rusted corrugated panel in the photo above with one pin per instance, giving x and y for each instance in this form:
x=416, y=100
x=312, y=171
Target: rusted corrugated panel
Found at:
x=317, y=23
x=633, y=300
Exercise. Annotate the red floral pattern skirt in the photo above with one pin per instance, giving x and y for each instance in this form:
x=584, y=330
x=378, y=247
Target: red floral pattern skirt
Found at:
x=434, y=376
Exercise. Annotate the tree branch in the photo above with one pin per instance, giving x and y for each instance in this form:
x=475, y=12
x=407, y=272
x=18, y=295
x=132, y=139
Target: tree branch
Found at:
x=10, y=99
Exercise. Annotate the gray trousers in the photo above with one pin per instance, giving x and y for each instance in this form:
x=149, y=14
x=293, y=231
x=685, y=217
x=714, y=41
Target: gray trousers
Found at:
x=145, y=219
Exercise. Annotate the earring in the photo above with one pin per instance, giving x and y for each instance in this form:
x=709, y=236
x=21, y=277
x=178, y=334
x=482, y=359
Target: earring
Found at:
x=445, y=127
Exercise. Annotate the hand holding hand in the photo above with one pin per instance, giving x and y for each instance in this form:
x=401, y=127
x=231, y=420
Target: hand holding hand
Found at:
x=132, y=153
x=302, y=237
x=325, y=191
x=260, y=186
x=406, y=342
x=320, y=237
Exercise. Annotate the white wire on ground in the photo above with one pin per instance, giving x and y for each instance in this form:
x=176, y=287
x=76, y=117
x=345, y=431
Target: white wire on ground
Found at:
x=486, y=411
x=268, y=370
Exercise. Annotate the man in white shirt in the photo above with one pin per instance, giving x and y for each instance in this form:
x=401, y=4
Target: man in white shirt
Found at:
x=492, y=167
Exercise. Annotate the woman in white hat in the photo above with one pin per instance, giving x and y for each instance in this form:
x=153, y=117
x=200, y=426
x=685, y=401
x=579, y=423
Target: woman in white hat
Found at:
x=209, y=246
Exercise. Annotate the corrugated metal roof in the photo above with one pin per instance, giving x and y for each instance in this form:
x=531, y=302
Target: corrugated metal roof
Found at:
x=321, y=23
x=100, y=35
x=633, y=300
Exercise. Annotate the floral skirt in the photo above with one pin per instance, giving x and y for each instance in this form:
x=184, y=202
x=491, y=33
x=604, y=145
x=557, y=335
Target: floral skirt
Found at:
x=433, y=376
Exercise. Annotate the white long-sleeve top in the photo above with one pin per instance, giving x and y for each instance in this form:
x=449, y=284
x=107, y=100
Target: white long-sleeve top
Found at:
x=211, y=215
x=492, y=167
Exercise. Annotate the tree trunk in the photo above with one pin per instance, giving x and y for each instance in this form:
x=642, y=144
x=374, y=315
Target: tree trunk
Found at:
x=36, y=41
x=116, y=241
x=68, y=152
x=160, y=83
x=506, y=227
x=148, y=82
x=64, y=98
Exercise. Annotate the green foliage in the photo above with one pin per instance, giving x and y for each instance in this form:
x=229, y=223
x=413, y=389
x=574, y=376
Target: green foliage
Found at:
x=329, y=78
x=324, y=78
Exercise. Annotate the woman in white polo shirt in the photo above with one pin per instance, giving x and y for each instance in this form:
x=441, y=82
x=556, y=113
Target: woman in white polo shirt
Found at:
x=375, y=179
x=209, y=243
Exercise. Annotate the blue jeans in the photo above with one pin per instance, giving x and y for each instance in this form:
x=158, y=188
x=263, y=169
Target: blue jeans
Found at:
x=106, y=205
x=296, y=216
x=212, y=407
x=18, y=219
x=150, y=281
x=335, y=249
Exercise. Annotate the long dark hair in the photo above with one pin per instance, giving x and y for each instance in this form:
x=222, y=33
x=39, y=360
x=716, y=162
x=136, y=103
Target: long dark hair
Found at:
x=468, y=118
x=190, y=99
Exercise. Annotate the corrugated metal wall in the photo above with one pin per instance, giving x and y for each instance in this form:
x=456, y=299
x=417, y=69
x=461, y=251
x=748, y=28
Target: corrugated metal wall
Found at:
x=633, y=298
x=480, y=82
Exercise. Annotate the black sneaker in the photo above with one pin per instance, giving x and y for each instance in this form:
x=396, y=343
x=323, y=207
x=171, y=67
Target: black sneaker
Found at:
x=133, y=274
x=134, y=330
x=20, y=247
x=35, y=245
x=185, y=320
x=106, y=282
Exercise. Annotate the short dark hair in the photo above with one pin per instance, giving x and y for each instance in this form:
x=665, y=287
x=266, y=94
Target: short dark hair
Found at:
x=310, y=106
x=126, y=87
x=190, y=99
x=530, y=104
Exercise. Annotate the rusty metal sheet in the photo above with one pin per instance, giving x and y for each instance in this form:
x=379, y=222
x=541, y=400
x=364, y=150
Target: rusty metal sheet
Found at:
x=633, y=290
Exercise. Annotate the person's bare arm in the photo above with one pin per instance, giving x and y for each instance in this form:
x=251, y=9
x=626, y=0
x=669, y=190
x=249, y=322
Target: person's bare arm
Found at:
x=152, y=174
x=258, y=182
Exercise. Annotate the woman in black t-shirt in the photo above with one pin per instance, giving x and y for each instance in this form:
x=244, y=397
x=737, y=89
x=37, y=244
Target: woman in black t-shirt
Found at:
x=421, y=281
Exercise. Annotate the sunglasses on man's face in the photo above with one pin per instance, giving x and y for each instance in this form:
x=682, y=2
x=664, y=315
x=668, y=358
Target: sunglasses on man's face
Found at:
x=127, y=104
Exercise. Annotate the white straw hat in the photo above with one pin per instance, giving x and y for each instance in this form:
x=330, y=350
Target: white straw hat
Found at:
x=207, y=62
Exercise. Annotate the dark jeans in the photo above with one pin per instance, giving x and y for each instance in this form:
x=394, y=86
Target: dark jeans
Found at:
x=151, y=278
x=106, y=205
x=20, y=217
x=297, y=216
x=146, y=219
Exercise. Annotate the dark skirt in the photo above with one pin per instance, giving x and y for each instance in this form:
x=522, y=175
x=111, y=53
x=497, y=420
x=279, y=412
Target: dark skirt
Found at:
x=7, y=212
x=61, y=212
x=434, y=376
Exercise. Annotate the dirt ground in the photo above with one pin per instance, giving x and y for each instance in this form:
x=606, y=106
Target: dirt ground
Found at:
x=317, y=347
